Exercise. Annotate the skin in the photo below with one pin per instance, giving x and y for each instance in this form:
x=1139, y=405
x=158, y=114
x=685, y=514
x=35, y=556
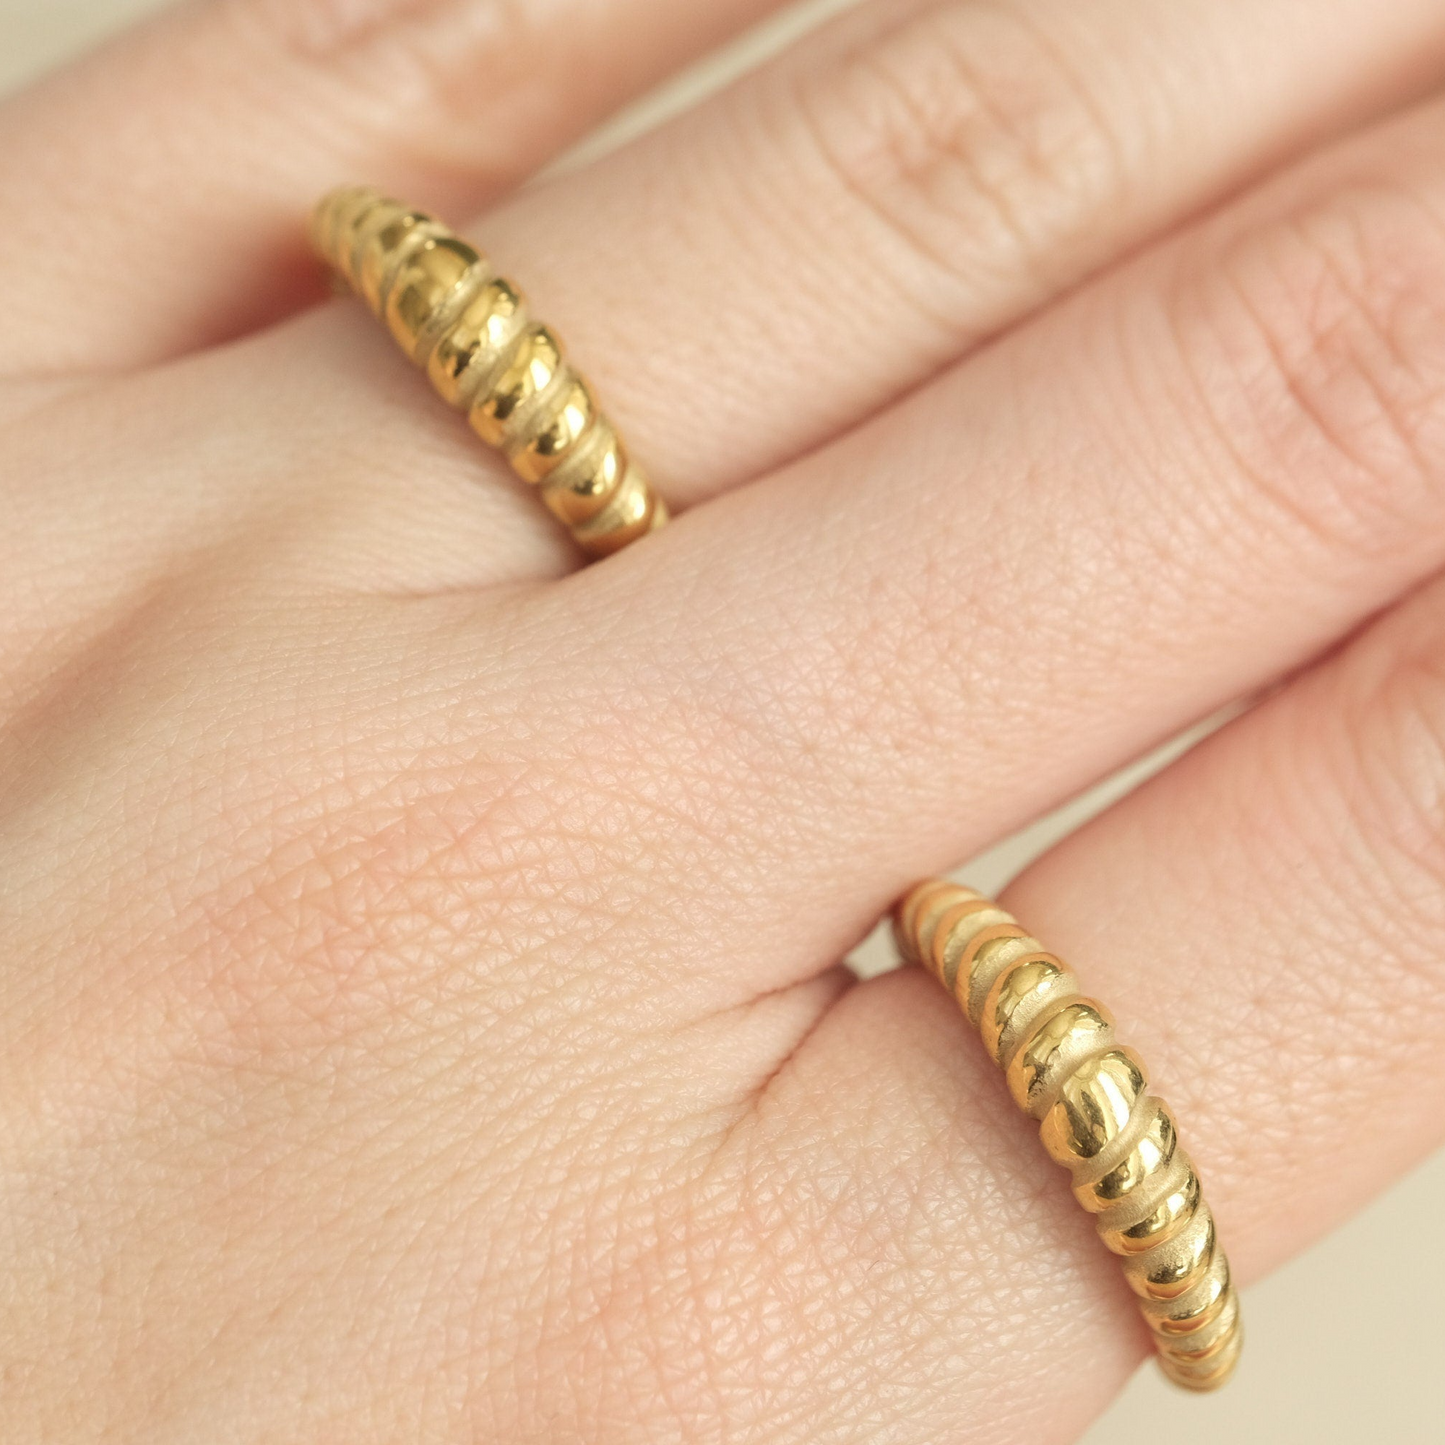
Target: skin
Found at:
x=423, y=1019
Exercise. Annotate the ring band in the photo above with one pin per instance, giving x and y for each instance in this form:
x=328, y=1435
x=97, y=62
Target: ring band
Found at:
x=1098, y=1118
x=468, y=328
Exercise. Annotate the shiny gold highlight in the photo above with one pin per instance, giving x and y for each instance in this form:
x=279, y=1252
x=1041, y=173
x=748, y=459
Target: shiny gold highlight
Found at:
x=1096, y=1115
x=470, y=331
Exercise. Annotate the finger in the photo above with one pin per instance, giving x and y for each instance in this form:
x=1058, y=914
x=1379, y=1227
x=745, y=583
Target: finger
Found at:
x=1328, y=797
x=1266, y=922
x=382, y=488
x=1158, y=498
x=180, y=161
x=833, y=239
x=910, y=181
x=658, y=316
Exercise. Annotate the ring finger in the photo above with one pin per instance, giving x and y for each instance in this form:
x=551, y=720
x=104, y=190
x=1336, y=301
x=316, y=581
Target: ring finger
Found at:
x=1265, y=920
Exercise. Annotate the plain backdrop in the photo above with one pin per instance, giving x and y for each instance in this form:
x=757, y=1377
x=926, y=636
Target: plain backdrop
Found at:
x=1347, y=1345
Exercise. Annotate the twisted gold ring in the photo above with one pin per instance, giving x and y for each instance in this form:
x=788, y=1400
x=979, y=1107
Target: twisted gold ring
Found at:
x=469, y=329
x=1097, y=1116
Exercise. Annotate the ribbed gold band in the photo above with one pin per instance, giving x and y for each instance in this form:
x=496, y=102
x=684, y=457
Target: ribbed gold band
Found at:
x=1097, y=1118
x=468, y=328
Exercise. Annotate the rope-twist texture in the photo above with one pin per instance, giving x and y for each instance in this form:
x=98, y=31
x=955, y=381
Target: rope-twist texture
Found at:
x=1097, y=1117
x=469, y=329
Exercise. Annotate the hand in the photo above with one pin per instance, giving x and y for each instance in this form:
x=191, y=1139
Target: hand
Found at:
x=421, y=1018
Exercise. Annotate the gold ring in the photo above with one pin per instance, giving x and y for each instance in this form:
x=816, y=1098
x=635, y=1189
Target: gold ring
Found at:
x=468, y=328
x=1098, y=1118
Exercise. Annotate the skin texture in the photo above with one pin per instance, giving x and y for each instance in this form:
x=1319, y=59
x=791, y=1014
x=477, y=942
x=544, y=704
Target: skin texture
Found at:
x=422, y=1012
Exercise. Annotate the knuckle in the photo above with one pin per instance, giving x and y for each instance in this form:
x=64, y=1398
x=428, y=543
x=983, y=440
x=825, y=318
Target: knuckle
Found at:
x=1349, y=796
x=968, y=132
x=320, y=27
x=1392, y=719
x=415, y=71
x=1317, y=345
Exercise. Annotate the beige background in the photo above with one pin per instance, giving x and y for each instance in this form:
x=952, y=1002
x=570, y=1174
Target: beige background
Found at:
x=1346, y=1345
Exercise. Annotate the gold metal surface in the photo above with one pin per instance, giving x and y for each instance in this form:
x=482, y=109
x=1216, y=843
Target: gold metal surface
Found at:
x=1097, y=1117
x=468, y=328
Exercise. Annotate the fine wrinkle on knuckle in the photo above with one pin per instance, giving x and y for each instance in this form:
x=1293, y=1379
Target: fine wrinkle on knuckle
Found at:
x=973, y=138
x=320, y=29
x=1342, y=817
x=417, y=73
x=1390, y=763
x=1315, y=351
x=1352, y=798
x=313, y=29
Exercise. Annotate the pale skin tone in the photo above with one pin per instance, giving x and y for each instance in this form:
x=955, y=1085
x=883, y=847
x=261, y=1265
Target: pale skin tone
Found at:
x=422, y=1013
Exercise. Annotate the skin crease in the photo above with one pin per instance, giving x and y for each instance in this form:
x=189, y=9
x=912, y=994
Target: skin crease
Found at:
x=422, y=1019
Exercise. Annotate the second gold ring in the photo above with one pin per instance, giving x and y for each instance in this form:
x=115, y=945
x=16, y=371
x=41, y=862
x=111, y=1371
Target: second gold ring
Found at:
x=1098, y=1116
x=469, y=329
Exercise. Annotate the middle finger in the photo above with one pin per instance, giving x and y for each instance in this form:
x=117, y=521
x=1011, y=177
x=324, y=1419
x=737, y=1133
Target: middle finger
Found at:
x=793, y=256
x=757, y=275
